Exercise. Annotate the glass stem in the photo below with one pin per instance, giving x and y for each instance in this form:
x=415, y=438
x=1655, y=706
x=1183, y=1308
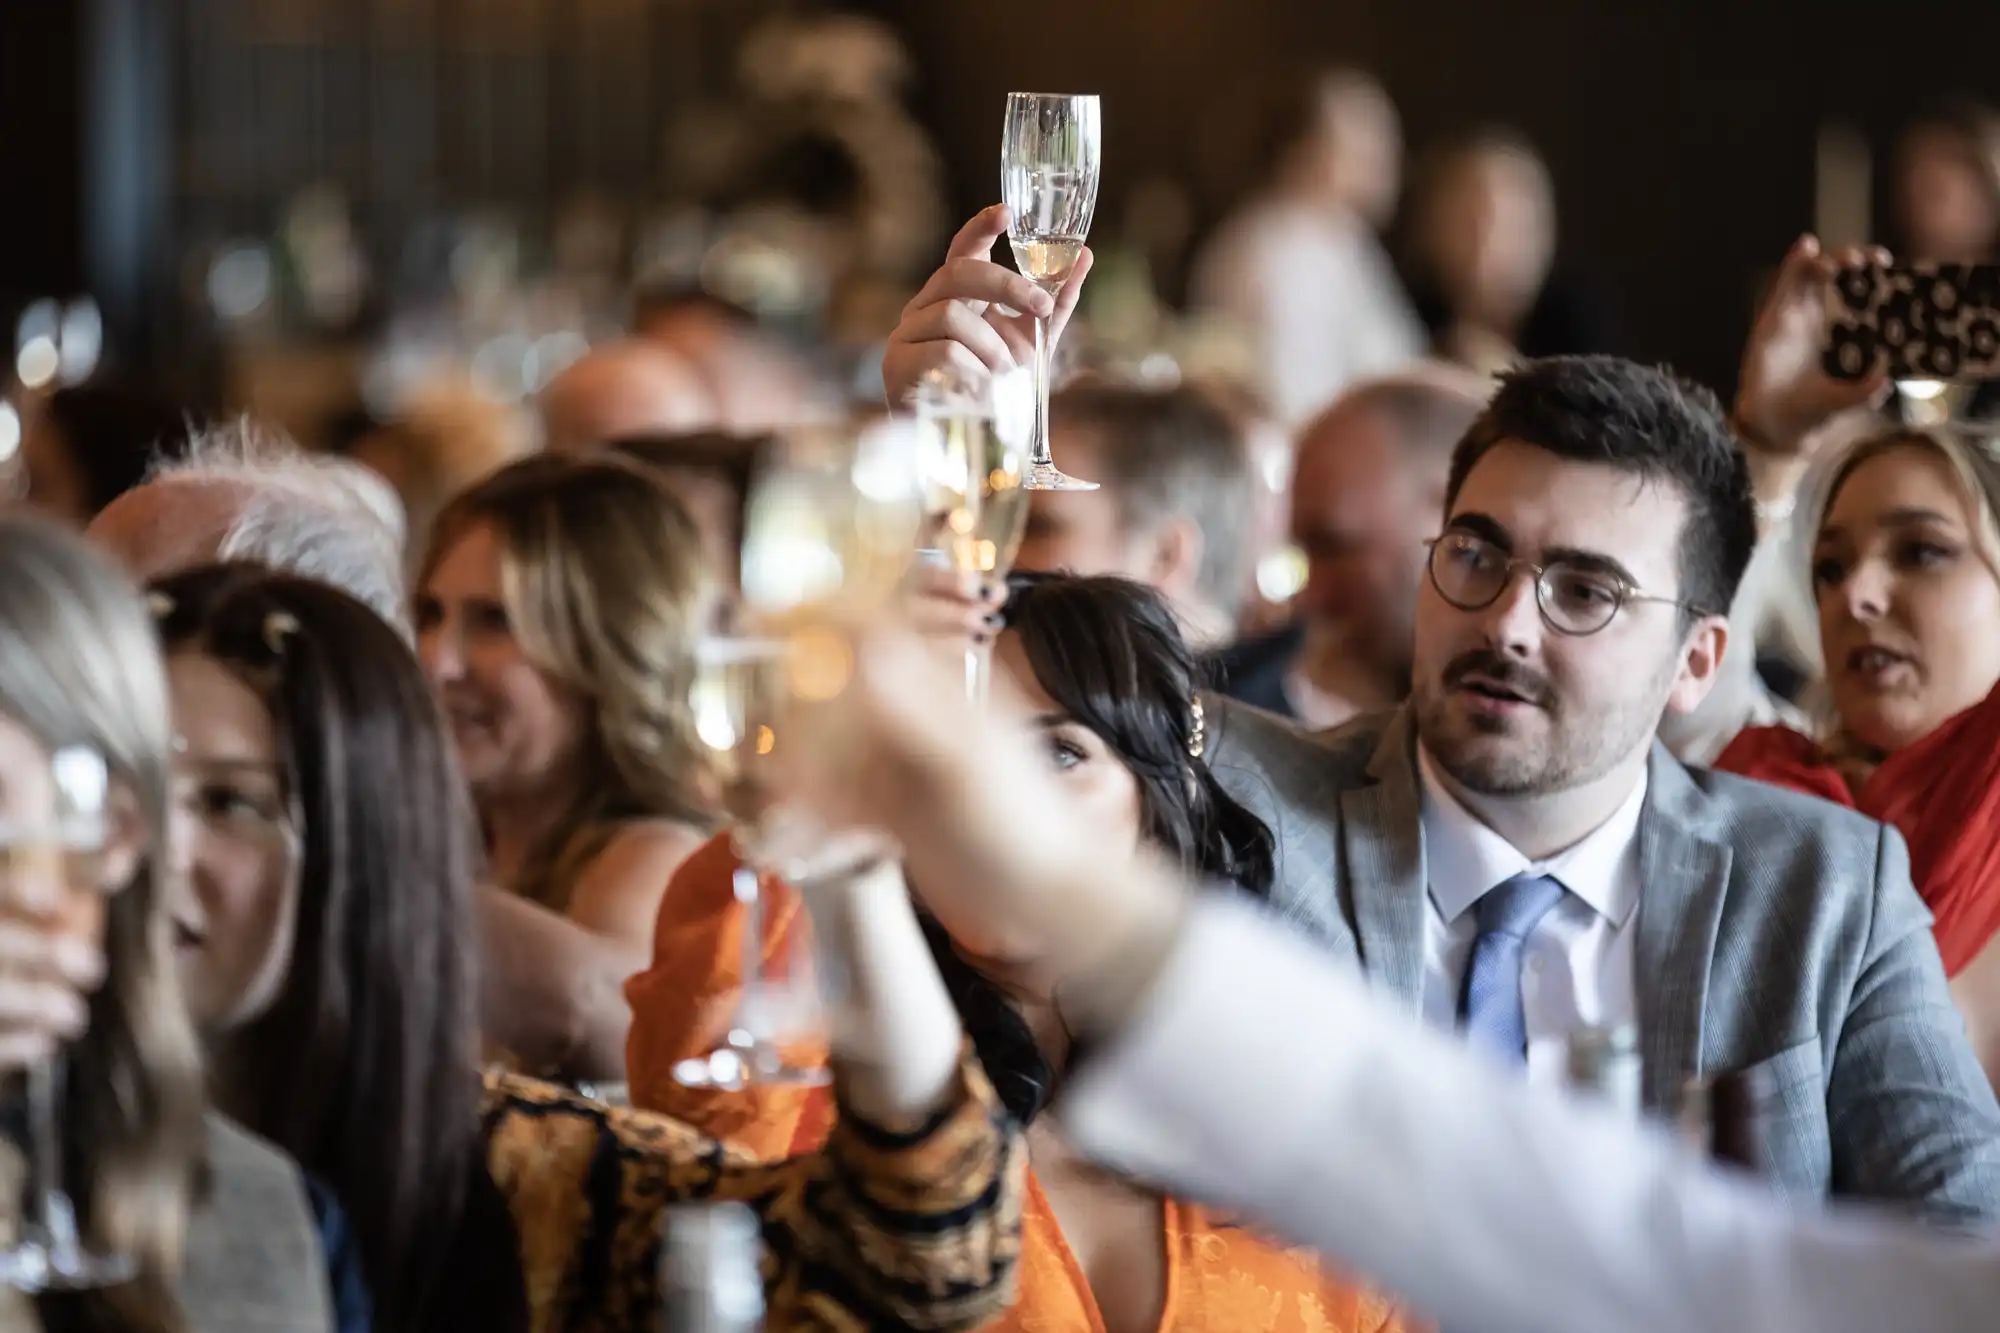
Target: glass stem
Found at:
x=750, y=893
x=52, y=1211
x=1041, y=457
x=978, y=671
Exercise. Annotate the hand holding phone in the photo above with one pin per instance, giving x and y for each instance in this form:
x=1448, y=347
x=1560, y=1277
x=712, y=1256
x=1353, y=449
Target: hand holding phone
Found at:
x=1784, y=395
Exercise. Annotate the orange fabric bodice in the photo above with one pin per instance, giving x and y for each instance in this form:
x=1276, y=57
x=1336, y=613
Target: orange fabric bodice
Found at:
x=1220, y=1279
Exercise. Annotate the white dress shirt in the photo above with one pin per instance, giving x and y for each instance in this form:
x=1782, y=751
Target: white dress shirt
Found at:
x=1577, y=965
x=1265, y=1078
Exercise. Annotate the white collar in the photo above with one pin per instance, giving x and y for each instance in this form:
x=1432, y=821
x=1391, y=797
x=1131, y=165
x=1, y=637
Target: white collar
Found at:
x=1465, y=858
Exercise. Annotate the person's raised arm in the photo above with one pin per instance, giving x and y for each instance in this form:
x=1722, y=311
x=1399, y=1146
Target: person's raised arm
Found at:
x=1231, y=1062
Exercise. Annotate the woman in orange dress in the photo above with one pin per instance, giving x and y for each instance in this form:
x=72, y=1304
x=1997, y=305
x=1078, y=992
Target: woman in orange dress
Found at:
x=1906, y=574
x=1099, y=670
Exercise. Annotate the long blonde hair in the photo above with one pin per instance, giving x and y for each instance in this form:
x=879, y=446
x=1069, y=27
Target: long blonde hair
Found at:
x=604, y=582
x=79, y=666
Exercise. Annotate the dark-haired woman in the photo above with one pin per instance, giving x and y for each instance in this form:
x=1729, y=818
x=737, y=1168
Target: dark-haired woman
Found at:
x=1098, y=669
x=324, y=945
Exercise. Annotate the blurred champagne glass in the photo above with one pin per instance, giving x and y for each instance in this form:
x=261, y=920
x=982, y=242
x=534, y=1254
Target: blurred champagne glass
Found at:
x=50, y=1252
x=830, y=527
x=737, y=692
x=977, y=431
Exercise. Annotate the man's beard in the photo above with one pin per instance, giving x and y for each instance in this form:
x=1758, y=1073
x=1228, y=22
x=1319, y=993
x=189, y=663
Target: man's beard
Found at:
x=1545, y=750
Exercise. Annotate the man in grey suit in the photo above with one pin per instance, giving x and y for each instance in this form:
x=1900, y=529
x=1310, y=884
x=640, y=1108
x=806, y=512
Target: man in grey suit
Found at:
x=1515, y=854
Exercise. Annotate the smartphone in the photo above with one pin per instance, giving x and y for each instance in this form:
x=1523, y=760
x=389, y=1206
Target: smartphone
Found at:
x=1917, y=321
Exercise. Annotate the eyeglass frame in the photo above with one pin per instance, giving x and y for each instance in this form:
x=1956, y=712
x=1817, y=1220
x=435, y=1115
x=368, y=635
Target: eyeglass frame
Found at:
x=1627, y=591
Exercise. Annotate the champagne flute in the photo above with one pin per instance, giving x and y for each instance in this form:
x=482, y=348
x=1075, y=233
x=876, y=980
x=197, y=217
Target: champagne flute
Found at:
x=830, y=529
x=977, y=432
x=1049, y=160
x=50, y=1253
x=739, y=683
x=831, y=522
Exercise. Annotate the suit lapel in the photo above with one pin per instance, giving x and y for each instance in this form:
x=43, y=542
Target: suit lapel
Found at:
x=1382, y=845
x=1685, y=880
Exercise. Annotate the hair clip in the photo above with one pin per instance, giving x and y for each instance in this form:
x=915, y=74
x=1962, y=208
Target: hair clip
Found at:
x=279, y=627
x=1198, y=733
x=160, y=604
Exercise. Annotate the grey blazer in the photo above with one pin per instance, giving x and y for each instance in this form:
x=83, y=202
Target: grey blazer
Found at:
x=1775, y=930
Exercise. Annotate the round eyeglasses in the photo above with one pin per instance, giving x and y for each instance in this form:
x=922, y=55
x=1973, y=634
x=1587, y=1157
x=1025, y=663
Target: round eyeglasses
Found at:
x=1576, y=599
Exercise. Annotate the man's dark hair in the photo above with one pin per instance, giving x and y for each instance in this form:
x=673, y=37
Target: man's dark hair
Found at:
x=1638, y=419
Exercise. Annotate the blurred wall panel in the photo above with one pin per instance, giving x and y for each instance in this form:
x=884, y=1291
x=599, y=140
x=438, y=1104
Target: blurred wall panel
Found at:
x=41, y=106
x=1681, y=132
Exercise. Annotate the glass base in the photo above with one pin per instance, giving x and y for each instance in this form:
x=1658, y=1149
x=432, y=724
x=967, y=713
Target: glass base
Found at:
x=38, y=1266
x=1045, y=477
x=734, y=1068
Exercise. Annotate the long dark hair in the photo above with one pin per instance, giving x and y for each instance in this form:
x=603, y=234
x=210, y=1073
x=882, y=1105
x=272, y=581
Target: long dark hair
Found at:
x=365, y=1068
x=1110, y=655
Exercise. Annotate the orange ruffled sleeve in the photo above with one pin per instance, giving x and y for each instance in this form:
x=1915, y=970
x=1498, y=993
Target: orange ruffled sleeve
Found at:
x=682, y=1003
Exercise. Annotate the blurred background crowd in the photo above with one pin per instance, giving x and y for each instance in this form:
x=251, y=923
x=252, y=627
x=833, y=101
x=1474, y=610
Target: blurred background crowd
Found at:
x=357, y=220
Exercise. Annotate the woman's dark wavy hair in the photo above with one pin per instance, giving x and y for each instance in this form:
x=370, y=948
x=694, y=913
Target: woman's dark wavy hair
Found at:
x=366, y=1064
x=1109, y=653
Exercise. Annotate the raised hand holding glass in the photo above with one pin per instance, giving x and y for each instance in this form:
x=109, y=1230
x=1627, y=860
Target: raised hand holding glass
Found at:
x=49, y=1253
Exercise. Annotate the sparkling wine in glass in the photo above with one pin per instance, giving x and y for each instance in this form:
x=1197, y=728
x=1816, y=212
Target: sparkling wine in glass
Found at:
x=831, y=521
x=830, y=525
x=50, y=1253
x=738, y=689
x=977, y=432
x=1050, y=152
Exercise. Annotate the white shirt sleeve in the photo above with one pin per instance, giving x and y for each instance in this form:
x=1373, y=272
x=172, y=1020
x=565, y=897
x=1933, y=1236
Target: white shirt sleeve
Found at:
x=1264, y=1079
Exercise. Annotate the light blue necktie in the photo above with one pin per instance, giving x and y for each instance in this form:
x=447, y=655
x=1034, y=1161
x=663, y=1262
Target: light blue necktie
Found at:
x=1490, y=1005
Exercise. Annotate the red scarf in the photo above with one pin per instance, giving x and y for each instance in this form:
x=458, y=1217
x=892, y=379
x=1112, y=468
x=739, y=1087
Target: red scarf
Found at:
x=1942, y=794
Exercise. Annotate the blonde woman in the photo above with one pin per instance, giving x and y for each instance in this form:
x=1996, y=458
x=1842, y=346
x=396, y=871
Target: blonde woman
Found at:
x=556, y=611
x=93, y=972
x=1906, y=574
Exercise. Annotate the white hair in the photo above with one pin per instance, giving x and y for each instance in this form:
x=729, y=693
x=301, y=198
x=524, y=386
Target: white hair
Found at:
x=307, y=515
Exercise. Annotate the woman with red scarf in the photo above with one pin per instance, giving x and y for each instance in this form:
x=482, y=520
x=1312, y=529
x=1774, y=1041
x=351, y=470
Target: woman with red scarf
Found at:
x=1905, y=572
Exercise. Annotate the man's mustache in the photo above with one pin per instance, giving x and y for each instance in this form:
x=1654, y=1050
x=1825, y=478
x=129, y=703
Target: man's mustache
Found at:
x=1493, y=669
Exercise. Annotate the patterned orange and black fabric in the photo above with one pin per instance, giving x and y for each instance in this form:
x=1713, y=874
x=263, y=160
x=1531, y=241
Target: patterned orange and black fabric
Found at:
x=914, y=1226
